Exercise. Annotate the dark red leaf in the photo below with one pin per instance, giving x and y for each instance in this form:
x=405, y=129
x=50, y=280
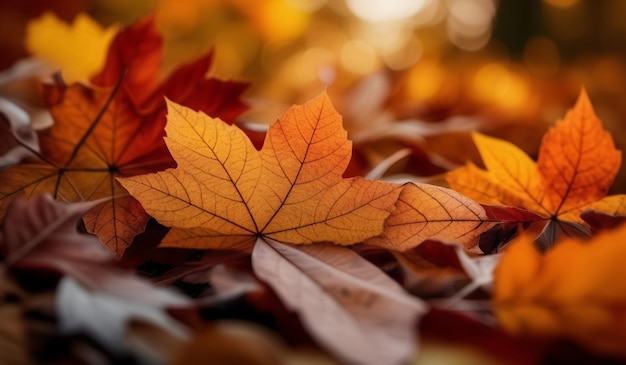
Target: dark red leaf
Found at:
x=599, y=221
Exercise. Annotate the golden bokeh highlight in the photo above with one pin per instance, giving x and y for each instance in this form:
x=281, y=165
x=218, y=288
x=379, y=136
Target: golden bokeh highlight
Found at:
x=561, y=3
x=495, y=84
x=359, y=57
x=425, y=80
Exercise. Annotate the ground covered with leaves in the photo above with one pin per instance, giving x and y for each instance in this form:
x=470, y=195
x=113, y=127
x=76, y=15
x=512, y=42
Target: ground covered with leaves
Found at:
x=144, y=223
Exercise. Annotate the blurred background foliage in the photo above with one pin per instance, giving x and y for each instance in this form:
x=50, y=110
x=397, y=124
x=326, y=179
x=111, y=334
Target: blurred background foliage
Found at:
x=515, y=65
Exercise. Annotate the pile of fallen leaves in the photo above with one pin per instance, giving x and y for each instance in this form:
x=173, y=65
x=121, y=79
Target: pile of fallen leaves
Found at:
x=143, y=225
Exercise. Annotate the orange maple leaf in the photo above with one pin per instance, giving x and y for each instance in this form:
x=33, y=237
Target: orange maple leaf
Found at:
x=577, y=290
x=225, y=194
x=577, y=164
x=116, y=130
x=97, y=135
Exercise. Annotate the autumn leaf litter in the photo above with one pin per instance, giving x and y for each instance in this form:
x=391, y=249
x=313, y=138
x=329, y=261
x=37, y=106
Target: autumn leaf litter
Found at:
x=145, y=227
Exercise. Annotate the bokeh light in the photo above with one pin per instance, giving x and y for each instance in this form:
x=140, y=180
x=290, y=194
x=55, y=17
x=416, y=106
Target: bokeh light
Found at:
x=561, y=3
x=385, y=10
x=509, y=63
x=469, y=23
x=495, y=84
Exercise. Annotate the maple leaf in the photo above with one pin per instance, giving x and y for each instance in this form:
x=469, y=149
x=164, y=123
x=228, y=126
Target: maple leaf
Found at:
x=576, y=166
x=137, y=53
x=97, y=135
x=224, y=193
x=575, y=291
x=78, y=49
x=103, y=133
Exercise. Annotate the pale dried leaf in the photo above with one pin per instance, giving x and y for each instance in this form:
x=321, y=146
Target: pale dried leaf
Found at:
x=349, y=306
x=106, y=318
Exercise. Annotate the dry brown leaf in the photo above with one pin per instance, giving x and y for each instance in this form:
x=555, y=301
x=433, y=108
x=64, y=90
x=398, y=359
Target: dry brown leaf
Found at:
x=349, y=305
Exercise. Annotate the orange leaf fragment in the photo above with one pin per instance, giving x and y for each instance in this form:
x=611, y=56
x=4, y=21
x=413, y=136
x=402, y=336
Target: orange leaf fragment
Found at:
x=577, y=290
x=577, y=164
x=431, y=212
x=225, y=193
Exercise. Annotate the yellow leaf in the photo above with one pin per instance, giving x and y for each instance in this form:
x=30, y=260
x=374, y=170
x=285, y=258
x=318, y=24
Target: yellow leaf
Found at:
x=612, y=205
x=97, y=135
x=576, y=291
x=274, y=20
x=78, y=50
x=225, y=193
x=512, y=171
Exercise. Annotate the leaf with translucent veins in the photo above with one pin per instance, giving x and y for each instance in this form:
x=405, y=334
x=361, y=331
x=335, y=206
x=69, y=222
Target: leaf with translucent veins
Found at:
x=97, y=135
x=225, y=193
x=431, y=212
x=576, y=166
x=115, y=130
